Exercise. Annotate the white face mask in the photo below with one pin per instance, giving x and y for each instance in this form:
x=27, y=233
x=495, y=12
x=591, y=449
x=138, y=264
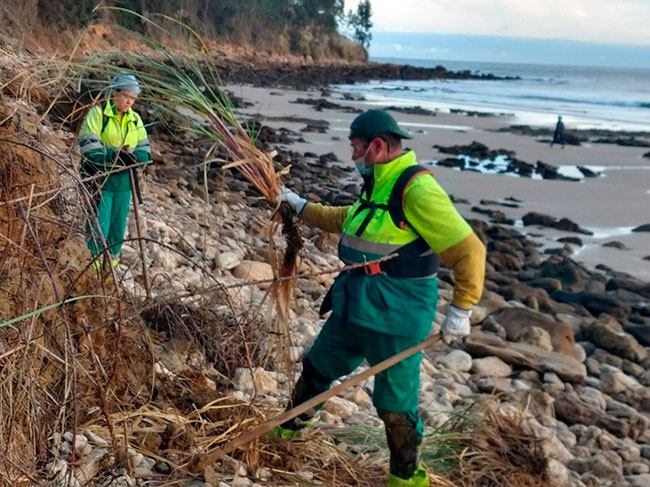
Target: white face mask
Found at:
x=361, y=165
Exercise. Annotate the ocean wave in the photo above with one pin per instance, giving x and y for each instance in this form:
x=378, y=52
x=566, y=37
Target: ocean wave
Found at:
x=584, y=101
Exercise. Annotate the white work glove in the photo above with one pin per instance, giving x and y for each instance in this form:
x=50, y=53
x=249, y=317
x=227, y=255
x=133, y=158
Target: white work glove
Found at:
x=456, y=324
x=294, y=200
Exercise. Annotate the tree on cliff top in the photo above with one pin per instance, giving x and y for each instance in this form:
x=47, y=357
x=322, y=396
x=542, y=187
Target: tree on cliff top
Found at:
x=360, y=24
x=305, y=27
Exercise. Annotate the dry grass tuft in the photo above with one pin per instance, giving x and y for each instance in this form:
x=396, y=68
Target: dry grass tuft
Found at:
x=477, y=447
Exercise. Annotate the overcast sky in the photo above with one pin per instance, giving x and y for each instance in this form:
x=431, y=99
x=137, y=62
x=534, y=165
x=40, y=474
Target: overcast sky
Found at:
x=599, y=21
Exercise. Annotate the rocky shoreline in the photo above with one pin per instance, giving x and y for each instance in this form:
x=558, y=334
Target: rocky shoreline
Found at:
x=561, y=346
x=263, y=72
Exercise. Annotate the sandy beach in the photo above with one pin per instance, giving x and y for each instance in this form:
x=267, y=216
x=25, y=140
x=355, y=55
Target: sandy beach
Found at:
x=609, y=205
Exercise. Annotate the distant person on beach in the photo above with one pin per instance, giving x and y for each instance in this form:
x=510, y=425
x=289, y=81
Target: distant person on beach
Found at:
x=382, y=309
x=112, y=140
x=558, y=136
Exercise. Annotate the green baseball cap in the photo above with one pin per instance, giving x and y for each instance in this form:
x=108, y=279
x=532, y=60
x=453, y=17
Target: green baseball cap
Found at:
x=373, y=123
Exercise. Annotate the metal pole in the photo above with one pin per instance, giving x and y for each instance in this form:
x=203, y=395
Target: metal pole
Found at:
x=136, y=210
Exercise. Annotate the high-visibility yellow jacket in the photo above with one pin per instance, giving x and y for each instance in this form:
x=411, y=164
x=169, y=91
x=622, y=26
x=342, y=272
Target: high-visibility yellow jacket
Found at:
x=103, y=133
x=401, y=306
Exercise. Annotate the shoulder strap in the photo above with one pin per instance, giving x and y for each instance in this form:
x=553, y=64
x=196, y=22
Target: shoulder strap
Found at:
x=104, y=123
x=397, y=195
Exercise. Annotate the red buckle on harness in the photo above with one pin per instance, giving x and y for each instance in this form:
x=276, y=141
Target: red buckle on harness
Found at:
x=373, y=268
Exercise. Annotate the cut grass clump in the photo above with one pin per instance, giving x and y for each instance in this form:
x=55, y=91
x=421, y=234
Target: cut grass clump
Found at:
x=477, y=447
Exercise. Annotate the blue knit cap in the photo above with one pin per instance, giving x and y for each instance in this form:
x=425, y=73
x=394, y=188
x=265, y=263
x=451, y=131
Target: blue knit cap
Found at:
x=125, y=81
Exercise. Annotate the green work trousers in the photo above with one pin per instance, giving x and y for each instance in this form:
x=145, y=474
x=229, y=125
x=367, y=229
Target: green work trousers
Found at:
x=112, y=211
x=341, y=347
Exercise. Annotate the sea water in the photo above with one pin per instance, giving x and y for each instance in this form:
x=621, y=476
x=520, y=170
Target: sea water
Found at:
x=610, y=98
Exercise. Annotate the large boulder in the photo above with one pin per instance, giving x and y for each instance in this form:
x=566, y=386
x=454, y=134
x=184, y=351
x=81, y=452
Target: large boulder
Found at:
x=505, y=262
x=640, y=332
x=571, y=275
x=634, y=285
x=536, y=336
x=250, y=270
x=257, y=381
x=515, y=320
x=533, y=218
x=524, y=355
x=595, y=303
x=570, y=409
x=491, y=367
x=601, y=333
x=613, y=380
x=457, y=360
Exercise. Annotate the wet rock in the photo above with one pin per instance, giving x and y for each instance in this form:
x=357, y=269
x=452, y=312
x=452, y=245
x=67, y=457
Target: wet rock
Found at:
x=642, y=228
x=547, y=171
x=588, y=173
x=595, y=303
x=416, y=110
x=616, y=245
x=629, y=284
x=533, y=218
x=452, y=162
x=571, y=240
x=566, y=271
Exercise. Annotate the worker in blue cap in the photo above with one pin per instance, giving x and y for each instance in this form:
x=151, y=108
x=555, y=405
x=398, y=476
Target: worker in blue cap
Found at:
x=113, y=140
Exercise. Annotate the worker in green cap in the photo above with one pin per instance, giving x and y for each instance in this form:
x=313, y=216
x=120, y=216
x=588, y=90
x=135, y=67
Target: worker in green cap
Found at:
x=112, y=140
x=382, y=309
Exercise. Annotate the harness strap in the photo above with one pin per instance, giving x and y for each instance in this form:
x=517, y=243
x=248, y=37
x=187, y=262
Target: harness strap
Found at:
x=105, y=120
x=398, y=196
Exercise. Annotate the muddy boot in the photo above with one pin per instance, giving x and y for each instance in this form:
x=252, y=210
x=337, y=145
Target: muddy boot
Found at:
x=403, y=441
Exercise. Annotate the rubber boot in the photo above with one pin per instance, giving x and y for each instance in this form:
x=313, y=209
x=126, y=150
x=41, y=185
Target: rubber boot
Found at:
x=420, y=478
x=403, y=441
x=306, y=388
